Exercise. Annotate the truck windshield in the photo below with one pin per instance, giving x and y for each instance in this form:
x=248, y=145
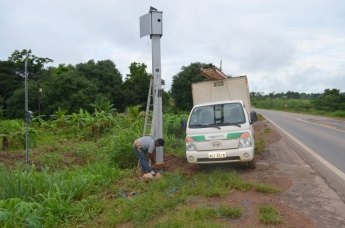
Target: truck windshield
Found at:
x=217, y=115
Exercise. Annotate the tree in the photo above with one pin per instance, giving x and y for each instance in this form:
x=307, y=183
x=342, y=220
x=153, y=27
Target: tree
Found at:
x=107, y=79
x=16, y=105
x=293, y=95
x=68, y=90
x=181, y=90
x=34, y=65
x=9, y=82
x=331, y=100
x=136, y=85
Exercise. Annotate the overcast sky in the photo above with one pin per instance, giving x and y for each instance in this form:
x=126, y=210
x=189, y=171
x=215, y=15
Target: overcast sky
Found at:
x=281, y=45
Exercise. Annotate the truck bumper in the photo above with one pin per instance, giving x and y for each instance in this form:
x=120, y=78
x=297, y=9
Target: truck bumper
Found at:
x=235, y=155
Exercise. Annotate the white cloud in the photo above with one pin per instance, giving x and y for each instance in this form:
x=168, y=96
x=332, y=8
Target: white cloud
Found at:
x=281, y=45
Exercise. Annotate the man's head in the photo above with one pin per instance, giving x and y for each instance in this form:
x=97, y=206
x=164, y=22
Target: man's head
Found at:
x=159, y=142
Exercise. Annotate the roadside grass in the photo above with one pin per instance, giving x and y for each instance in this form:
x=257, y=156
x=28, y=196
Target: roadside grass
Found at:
x=338, y=114
x=296, y=106
x=259, y=145
x=32, y=198
x=269, y=215
x=259, y=140
x=216, y=183
x=91, y=180
x=204, y=216
x=260, y=117
x=265, y=188
x=165, y=200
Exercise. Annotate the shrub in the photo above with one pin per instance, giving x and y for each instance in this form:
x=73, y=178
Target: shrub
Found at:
x=172, y=124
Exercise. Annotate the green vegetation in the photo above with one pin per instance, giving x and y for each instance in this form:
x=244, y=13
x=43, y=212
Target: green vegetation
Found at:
x=82, y=169
x=199, y=216
x=269, y=215
x=165, y=200
x=35, y=199
x=95, y=83
x=12, y=135
x=330, y=103
x=69, y=88
x=182, y=83
x=260, y=134
x=82, y=172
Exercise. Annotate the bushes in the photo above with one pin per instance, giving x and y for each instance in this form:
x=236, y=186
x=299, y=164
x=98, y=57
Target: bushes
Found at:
x=172, y=124
x=128, y=129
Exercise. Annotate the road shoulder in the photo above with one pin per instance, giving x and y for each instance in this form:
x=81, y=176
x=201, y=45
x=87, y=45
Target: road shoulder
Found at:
x=302, y=187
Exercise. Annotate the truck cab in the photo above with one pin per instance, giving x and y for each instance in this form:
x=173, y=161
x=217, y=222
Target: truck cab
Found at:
x=219, y=132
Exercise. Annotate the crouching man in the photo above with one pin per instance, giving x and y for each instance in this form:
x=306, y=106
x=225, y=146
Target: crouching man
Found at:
x=143, y=147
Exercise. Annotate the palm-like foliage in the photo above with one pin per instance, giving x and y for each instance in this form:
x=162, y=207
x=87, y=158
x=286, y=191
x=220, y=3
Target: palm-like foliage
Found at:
x=13, y=134
x=60, y=118
x=102, y=105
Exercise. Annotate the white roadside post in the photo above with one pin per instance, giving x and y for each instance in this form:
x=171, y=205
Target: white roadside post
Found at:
x=152, y=24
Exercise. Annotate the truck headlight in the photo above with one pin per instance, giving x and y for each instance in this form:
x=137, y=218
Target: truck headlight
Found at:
x=245, y=140
x=190, y=145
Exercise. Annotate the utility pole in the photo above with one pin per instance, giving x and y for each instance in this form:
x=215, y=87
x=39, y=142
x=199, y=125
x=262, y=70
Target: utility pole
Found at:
x=27, y=114
x=152, y=24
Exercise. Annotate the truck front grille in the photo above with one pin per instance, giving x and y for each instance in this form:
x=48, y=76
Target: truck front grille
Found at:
x=233, y=158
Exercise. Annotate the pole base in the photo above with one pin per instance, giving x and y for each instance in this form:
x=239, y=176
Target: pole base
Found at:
x=158, y=166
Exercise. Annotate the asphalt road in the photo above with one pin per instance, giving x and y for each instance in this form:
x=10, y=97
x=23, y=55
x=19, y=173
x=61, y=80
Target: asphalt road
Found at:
x=324, y=138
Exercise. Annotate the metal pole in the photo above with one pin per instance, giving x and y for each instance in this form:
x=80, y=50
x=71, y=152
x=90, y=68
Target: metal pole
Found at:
x=157, y=105
x=151, y=24
x=27, y=115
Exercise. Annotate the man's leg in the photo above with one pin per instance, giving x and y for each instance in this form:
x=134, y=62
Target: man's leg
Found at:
x=143, y=160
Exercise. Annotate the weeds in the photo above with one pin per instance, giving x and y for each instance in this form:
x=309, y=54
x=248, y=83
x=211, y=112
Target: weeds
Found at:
x=259, y=145
x=204, y=216
x=269, y=215
x=230, y=212
x=265, y=188
x=217, y=183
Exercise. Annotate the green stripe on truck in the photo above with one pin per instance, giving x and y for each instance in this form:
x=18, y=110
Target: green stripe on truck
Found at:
x=234, y=135
x=198, y=138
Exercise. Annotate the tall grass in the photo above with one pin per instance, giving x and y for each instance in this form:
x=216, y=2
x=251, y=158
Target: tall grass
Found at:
x=30, y=198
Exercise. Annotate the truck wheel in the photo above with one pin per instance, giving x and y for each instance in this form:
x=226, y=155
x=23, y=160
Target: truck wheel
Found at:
x=252, y=164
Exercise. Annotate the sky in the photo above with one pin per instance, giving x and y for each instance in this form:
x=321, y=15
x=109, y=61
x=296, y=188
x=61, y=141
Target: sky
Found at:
x=281, y=45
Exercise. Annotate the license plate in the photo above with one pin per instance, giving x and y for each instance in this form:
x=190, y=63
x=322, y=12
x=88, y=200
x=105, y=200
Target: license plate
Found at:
x=217, y=155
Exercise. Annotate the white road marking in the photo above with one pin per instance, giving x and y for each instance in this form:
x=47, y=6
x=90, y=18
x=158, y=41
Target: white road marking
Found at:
x=311, y=152
x=317, y=124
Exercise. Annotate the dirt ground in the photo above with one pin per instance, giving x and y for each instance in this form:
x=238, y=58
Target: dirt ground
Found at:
x=304, y=198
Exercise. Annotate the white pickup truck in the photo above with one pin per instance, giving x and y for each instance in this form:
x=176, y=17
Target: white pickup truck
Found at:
x=219, y=128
